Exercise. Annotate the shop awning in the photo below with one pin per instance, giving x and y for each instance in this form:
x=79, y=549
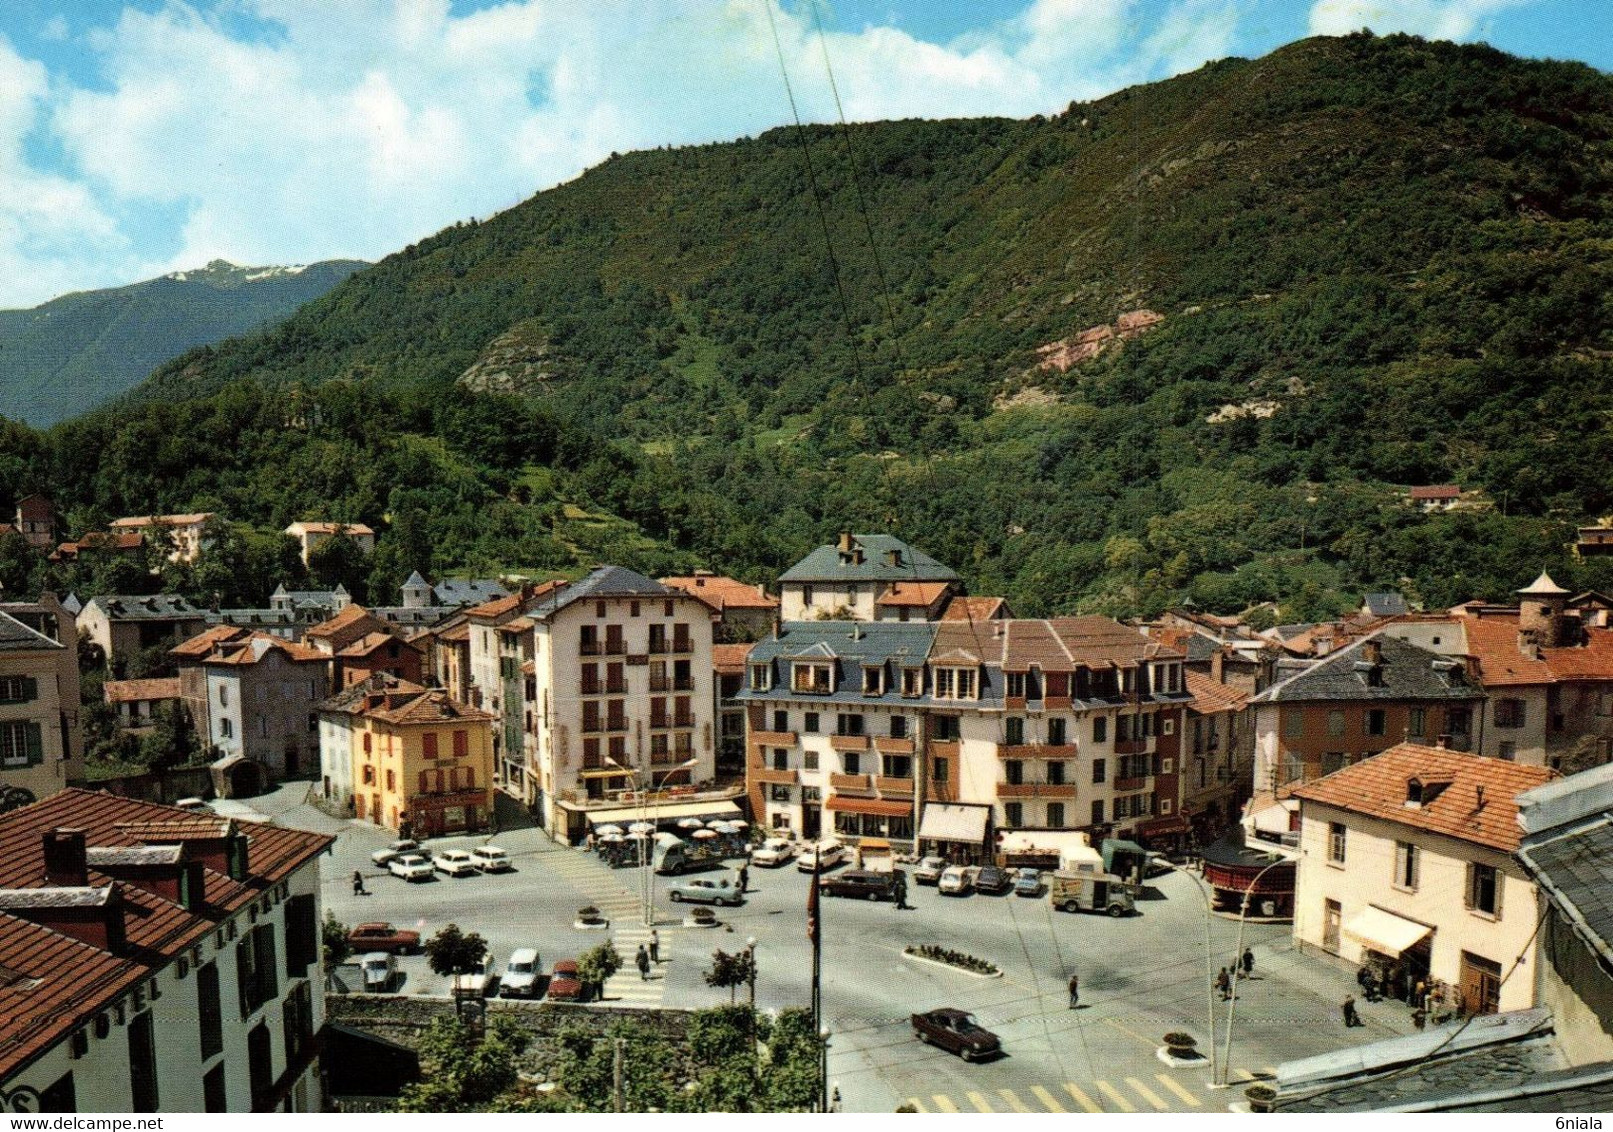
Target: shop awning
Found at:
x=1158, y=827
x=879, y=807
x=945, y=821
x=1385, y=931
x=718, y=808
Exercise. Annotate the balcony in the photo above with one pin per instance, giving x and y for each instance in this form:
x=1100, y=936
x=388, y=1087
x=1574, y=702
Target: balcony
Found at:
x=660, y=721
x=1134, y=782
x=1014, y=703
x=683, y=683
x=849, y=742
x=616, y=688
x=851, y=783
x=1058, y=703
x=591, y=648
x=894, y=746
x=683, y=720
x=901, y=787
x=1131, y=746
x=1038, y=751
x=946, y=749
x=1058, y=790
x=591, y=688
x=774, y=738
x=770, y=777
x=660, y=684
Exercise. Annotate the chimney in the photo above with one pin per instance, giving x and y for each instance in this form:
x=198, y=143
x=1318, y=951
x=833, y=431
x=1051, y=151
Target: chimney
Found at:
x=1443, y=742
x=1372, y=652
x=846, y=542
x=778, y=626
x=1218, y=665
x=89, y=915
x=66, y=865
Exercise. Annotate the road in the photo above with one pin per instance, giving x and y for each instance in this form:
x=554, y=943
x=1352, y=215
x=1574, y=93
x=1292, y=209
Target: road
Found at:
x=1141, y=976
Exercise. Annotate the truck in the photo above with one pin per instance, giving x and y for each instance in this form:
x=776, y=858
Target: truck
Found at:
x=676, y=857
x=1091, y=892
x=874, y=855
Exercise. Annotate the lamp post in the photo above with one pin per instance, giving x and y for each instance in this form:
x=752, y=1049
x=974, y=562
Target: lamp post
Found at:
x=1209, y=958
x=823, y=1069
x=647, y=846
x=1232, y=1004
x=750, y=969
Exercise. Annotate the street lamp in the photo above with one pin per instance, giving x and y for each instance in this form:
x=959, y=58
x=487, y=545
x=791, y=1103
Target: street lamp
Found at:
x=750, y=969
x=823, y=1069
x=647, y=842
x=1232, y=1005
x=1209, y=957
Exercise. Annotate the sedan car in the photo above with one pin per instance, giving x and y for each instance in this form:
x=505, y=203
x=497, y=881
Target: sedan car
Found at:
x=773, y=852
x=929, y=870
x=411, y=867
x=384, y=937
x=491, y=859
x=705, y=890
x=956, y=1031
x=521, y=974
x=1027, y=882
x=380, y=969
x=396, y=849
x=958, y=880
x=455, y=862
x=564, y=985
x=822, y=857
x=993, y=880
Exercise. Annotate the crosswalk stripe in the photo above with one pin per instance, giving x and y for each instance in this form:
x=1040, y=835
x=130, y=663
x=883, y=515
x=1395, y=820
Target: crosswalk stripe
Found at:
x=943, y=1103
x=1181, y=1093
x=1147, y=1094
x=1049, y=1101
x=1269, y=1071
x=979, y=1102
x=916, y=1103
x=1115, y=1096
x=1081, y=1098
x=1246, y=1075
x=1013, y=1100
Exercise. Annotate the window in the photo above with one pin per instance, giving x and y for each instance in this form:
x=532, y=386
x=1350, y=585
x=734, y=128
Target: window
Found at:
x=1164, y=805
x=1100, y=729
x=1416, y=722
x=209, y=1010
x=1123, y=729
x=1335, y=724
x=1056, y=736
x=814, y=678
x=1335, y=842
x=21, y=744
x=947, y=728
x=852, y=761
x=939, y=769
x=955, y=683
x=1483, y=893
x=1294, y=723
x=896, y=766
x=143, y=1062
x=809, y=760
x=391, y=780
x=297, y=1023
x=1377, y=721
x=1509, y=750
x=223, y=695
x=1015, y=682
x=809, y=723
x=260, y=1065
x=1014, y=731
x=1405, y=866
x=781, y=721
x=898, y=727
x=778, y=793
x=912, y=681
x=368, y=773
x=1055, y=773
x=873, y=680
x=806, y=595
x=226, y=727
x=781, y=759
x=18, y=689
x=761, y=677
x=1167, y=726
x=1013, y=815
x=1167, y=766
x=848, y=723
x=1459, y=720
x=214, y=1097
x=1097, y=811
x=632, y=609
x=428, y=745
x=1100, y=769
x=1509, y=713
x=943, y=684
x=1055, y=814
x=302, y=936
x=1014, y=772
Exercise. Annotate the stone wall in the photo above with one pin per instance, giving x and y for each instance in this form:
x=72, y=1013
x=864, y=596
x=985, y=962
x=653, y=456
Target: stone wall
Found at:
x=158, y=786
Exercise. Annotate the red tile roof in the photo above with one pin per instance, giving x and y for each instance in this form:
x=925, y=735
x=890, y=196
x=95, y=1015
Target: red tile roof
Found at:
x=920, y=594
x=64, y=982
x=723, y=593
x=132, y=691
x=963, y=608
x=370, y=642
x=255, y=646
x=729, y=659
x=1211, y=696
x=502, y=606
x=186, y=520
x=430, y=706
x=1058, y=645
x=1477, y=802
x=1436, y=491
x=202, y=643
x=350, y=623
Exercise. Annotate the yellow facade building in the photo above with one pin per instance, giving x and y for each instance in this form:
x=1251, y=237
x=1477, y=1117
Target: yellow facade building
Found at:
x=422, y=763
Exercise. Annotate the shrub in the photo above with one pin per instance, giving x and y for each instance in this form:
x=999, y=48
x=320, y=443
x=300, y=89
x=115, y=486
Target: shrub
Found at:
x=1178, y=1040
x=952, y=958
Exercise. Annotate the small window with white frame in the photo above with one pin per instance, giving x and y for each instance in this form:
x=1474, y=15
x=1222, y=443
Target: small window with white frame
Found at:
x=814, y=677
x=761, y=677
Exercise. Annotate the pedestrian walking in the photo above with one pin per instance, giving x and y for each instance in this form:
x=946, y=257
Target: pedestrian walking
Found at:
x=642, y=962
x=358, y=884
x=901, y=893
x=1075, y=990
x=1248, y=962
x=744, y=878
x=1223, y=983
x=1419, y=1018
x=655, y=946
x=1351, y=1018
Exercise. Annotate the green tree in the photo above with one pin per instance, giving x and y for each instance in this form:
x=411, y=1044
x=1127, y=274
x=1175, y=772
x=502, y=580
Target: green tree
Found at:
x=731, y=971
x=172, y=740
x=333, y=936
x=596, y=965
x=460, y=1073
x=453, y=952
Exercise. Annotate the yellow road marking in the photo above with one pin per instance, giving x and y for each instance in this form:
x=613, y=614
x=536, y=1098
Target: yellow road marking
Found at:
x=979, y=1102
x=1049, y=1101
x=944, y=1103
x=1081, y=1098
x=1114, y=1096
x=1147, y=1094
x=1013, y=1100
x=918, y=1104
x=1183, y=1094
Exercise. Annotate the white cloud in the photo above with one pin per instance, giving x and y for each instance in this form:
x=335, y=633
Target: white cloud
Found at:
x=359, y=127
x=1433, y=19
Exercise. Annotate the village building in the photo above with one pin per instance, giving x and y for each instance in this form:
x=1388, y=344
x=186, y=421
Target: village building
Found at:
x=263, y=697
x=846, y=582
x=36, y=521
x=137, y=701
x=121, y=625
x=157, y=961
x=744, y=613
x=422, y=762
x=359, y=643
x=1406, y=866
x=313, y=534
x=1435, y=497
x=41, y=748
x=1217, y=755
x=179, y=537
x=339, y=751
x=129, y=544
x=962, y=607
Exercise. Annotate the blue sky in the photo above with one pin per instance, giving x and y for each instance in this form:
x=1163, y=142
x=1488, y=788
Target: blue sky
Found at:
x=144, y=136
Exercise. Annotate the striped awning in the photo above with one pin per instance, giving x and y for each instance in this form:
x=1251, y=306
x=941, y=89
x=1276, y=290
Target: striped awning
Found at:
x=879, y=807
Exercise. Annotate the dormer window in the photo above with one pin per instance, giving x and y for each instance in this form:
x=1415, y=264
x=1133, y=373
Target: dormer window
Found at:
x=955, y=684
x=873, y=680
x=1015, y=683
x=815, y=678
x=761, y=677
x=912, y=682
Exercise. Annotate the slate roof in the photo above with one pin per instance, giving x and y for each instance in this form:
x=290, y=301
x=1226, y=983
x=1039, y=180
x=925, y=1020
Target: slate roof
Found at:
x=1568, y=849
x=1385, y=604
x=851, y=644
x=467, y=591
x=17, y=637
x=153, y=607
x=1377, y=787
x=601, y=582
x=824, y=565
x=1408, y=673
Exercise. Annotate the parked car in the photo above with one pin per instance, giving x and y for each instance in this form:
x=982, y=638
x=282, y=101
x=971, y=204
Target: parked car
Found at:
x=478, y=983
x=411, y=867
x=705, y=890
x=380, y=971
x=958, y=880
x=957, y=1032
x=521, y=974
x=929, y=870
x=564, y=985
x=863, y=884
x=455, y=862
x=396, y=849
x=821, y=857
x=1028, y=882
x=773, y=852
x=993, y=880
x=491, y=859
x=384, y=937
x=1091, y=892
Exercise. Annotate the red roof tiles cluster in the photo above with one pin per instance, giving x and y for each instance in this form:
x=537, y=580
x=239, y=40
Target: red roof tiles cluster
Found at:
x=729, y=660
x=134, y=691
x=1060, y=644
x=723, y=593
x=913, y=594
x=1211, y=696
x=964, y=608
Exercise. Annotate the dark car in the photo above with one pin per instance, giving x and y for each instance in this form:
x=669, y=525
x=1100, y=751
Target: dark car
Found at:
x=993, y=880
x=383, y=937
x=957, y=1032
x=564, y=985
x=863, y=884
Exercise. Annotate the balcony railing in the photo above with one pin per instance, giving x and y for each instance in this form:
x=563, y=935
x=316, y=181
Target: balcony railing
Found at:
x=1131, y=782
x=849, y=742
x=1038, y=751
x=1061, y=790
x=683, y=683
x=894, y=746
x=683, y=720
x=770, y=777
x=591, y=688
x=616, y=688
x=774, y=738
x=591, y=648
x=858, y=783
x=894, y=786
x=660, y=721
x=945, y=748
x=660, y=684
x=1131, y=746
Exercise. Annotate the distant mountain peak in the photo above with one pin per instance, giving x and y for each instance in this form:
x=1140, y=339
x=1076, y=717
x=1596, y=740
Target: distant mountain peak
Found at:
x=223, y=271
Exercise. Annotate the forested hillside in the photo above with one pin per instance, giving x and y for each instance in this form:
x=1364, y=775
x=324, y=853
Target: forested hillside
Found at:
x=1193, y=339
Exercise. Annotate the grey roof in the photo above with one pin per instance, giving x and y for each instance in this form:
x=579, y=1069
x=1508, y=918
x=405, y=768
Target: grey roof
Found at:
x=1200, y=647
x=104, y=856
x=852, y=644
x=151, y=607
x=414, y=580
x=602, y=581
x=17, y=637
x=1584, y=1088
x=72, y=604
x=1408, y=672
x=1385, y=605
x=468, y=591
x=1574, y=867
x=824, y=564
x=24, y=898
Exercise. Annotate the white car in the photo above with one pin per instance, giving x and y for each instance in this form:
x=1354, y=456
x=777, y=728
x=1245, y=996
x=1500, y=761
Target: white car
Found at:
x=958, y=880
x=477, y=983
x=521, y=974
x=491, y=859
x=380, y=969
x=773, y=852
x=411, y=867
x=396, y=849
x=455, y=862
x=929, y=870
x=821, y=857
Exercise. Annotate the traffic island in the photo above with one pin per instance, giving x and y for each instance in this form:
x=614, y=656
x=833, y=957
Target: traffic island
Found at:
x=958, y=961
x=590, y=918
x=701, y=918
x=1180, y=1052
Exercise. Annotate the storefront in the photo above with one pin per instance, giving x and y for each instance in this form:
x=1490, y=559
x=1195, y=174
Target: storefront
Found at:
x=1236, y=871
x=871, y=817
x=957, y=831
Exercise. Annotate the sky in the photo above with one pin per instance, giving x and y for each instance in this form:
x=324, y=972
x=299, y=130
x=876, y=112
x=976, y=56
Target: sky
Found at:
x=139, y=137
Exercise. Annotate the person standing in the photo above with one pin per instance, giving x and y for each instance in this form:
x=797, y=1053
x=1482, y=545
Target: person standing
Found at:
x=358, y=884
x=655, y=946
x=744, y=878
x=642, y=962
x=1351, y=1018
x=901, y=892
x=1075, y=990
x=1248, y=962
x=1223, y=983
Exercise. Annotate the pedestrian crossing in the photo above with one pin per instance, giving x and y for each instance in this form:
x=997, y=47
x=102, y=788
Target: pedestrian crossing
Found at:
x=623, y=906
x=1162, y=1092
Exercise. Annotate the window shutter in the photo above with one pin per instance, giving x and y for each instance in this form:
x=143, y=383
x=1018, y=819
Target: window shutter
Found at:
x=30, y=688
x=35, y=745
x=243, y=976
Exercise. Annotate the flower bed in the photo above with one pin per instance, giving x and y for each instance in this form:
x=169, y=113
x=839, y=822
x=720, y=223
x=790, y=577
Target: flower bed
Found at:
x=946, y=955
